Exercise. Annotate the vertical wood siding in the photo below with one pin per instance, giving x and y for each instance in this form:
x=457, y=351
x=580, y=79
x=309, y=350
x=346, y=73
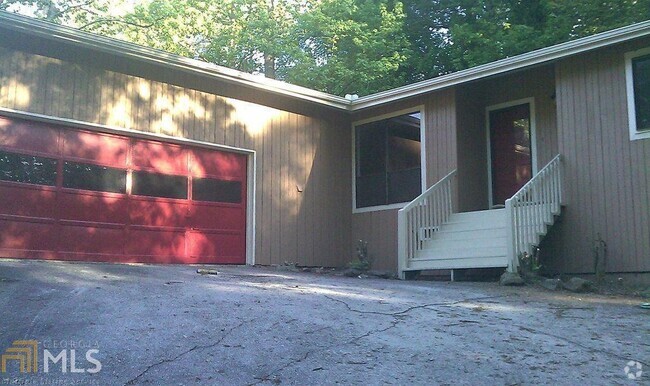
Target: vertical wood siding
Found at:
x=607, y=175
x=379, y=228
x=294, y=152
x=472, y=101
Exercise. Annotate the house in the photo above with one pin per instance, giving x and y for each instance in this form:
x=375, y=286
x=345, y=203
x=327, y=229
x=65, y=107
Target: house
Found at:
x=111, y=151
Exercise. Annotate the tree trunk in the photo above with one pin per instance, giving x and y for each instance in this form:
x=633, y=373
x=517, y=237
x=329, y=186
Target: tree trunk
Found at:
x=269, y=66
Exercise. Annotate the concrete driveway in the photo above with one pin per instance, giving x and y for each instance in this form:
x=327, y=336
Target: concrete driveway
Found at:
x=165, y=325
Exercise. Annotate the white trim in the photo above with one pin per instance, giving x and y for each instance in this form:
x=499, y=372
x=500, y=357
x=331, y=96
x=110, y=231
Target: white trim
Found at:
x=635, y=134
x=250, y=169
x=423, y=159
x=71, y=36
x=119, y=48
x=528, y=59
x=533, y=137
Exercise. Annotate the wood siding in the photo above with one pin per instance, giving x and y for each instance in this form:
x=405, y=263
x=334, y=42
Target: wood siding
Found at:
x=607, y=175
x=473, y=99
x=303, y=195
x=379, y=228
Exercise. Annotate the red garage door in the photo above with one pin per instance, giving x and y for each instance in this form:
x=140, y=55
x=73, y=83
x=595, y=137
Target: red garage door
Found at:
x=77, y=195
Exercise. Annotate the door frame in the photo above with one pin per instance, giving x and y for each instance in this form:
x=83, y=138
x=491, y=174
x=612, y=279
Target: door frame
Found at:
x=533, y=138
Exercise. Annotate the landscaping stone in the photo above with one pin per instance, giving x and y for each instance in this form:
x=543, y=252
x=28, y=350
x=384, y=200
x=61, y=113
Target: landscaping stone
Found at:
x=511, y=279
x=576, y=284
x=551, y=284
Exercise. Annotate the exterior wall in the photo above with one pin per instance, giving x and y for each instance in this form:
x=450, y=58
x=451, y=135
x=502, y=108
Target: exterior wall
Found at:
x=379, y=228
x=303, y=195
x=472, y=100
x=607, y=175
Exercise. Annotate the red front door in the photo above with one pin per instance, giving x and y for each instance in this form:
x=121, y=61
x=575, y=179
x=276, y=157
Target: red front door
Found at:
x=510, y=148
x=78, y=195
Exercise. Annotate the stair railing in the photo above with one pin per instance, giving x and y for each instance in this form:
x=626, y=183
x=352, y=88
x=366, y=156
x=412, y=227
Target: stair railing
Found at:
x=418, y=220
x=531, y=209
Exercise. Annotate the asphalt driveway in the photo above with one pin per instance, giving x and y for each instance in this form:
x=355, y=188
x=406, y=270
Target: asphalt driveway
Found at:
x=164, y=325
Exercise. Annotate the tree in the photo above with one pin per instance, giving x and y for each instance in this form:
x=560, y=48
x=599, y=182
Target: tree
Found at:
x=342, y=46
x=351, y=46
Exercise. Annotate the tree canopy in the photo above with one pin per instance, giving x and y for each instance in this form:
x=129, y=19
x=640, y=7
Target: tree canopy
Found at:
x=342, y=46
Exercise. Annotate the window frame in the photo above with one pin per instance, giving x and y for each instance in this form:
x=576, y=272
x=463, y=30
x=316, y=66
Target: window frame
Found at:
x=423, y=169
x=635, y=133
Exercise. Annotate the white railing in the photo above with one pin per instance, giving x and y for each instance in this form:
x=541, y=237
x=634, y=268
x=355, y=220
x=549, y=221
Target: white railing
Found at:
x=418, y=220
x=532, y=209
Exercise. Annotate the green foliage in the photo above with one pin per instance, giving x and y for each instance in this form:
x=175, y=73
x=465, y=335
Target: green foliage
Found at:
x=342, y=46
x=351, y=46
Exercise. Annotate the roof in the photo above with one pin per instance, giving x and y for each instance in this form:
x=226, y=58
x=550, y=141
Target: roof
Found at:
x=47, y=30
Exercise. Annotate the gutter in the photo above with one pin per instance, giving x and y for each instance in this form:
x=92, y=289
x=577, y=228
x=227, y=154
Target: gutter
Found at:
x=532, y=58
x=47, y=30
x=75, y=37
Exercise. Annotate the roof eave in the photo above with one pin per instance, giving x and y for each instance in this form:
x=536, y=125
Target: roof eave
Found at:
x=132, y=51
x=532, y=58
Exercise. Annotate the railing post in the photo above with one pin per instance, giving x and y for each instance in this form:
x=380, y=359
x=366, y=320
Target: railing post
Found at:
x=513, y=263
x=402, y=244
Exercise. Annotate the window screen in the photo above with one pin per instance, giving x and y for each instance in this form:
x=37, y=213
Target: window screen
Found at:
x=27, y=169
x=93, y=177
x=388, y=169
x=159, y=185
x=209, y=189
x=641, y=75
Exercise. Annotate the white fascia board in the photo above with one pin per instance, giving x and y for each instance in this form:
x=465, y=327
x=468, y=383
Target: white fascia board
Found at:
x=51, y=31
x=112, y=46
x=532, y=58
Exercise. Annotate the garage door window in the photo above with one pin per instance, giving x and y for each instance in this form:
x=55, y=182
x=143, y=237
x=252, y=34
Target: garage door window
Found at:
x=93, y=177
x=214, y=190
x=159, y=185
x=27, y=169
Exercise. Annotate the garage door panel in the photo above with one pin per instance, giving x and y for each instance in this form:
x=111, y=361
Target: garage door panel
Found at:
x=88, y=240
x=157, y=243
x=76, y=194
x=28, y=201
x=28, y=236
x=94, y=207
x=21, y=135
x=159, y=212
x=103, y=149
x=215, y=217
x=159, y=157
x=217, y=164
x=207, y=247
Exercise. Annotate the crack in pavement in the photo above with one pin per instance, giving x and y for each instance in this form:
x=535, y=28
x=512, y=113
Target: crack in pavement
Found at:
x=578, y=344
x=409, y=309
x=267, y=378
x=196, y=347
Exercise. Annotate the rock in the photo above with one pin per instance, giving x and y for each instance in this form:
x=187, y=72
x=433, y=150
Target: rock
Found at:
x=203, y=271
x=351, y=272
x=551, y=284
x=576, y=284
x=511, y=279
